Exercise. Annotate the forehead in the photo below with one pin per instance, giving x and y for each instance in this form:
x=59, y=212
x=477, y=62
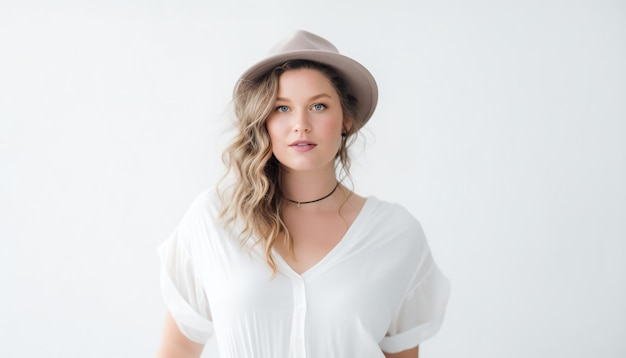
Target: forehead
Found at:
x=303, y=82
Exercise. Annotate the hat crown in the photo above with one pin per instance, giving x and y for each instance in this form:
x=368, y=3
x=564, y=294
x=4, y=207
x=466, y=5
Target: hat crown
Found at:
x=303, y=40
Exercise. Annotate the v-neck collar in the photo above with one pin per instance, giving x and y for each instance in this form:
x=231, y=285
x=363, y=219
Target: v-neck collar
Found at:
x=350, y=235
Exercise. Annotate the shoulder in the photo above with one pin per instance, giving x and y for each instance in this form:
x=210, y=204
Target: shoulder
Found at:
x=393, y=224
x=393, y=215
x=203, y=212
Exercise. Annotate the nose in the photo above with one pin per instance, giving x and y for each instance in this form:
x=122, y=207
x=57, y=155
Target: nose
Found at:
x=301, y=122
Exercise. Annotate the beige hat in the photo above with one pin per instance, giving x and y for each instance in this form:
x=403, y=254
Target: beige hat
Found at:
x=303, y=45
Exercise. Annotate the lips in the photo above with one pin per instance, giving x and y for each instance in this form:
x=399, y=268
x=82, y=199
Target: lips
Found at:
x=302, y=145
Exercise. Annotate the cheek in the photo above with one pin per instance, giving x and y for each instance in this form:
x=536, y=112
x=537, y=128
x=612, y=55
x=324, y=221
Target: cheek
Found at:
x=333, y=128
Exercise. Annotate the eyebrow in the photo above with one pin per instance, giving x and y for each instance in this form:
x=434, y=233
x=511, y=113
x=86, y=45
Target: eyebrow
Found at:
x=310, y=99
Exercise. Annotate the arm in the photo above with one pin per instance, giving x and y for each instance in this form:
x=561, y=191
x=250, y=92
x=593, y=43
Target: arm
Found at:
x=409, y=353
x=174, y=344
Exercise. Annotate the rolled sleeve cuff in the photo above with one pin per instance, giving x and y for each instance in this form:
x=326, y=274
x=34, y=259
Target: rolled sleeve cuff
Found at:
x=411, y=338
x=194, y=326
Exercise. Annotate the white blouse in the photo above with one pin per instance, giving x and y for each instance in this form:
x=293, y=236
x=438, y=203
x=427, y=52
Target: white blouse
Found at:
x=377, y=290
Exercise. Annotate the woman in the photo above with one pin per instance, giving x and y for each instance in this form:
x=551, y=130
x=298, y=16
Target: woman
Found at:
x=286, y=261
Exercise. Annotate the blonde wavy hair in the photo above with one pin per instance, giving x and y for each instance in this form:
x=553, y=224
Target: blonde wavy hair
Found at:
x=253, y=196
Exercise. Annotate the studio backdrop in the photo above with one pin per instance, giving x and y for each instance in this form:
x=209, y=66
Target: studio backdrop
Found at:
x=501, y=126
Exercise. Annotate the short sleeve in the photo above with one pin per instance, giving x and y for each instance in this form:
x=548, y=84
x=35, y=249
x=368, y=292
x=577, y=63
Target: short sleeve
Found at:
x=182, y=290
x=421, y=311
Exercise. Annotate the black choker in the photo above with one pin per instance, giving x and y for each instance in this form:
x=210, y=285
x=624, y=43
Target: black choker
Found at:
x=316, y=200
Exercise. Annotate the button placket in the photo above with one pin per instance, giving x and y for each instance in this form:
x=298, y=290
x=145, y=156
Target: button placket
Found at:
x=299, y=318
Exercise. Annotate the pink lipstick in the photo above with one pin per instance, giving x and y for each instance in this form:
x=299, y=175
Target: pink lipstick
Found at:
x=302, y=145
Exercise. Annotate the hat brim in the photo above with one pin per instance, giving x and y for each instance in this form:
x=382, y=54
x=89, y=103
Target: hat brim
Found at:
x=360, y=81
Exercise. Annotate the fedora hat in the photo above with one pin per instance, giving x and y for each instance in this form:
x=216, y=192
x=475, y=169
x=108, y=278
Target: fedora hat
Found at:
x=303, y=45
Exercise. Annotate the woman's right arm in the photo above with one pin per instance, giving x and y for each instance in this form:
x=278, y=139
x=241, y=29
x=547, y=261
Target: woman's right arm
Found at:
x=174, y=344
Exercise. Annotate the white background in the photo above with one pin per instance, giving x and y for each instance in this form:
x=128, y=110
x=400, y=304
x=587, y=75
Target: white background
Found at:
x=501, y=125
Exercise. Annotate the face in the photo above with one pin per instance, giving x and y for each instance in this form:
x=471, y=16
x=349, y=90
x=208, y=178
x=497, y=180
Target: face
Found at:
x=307, y=121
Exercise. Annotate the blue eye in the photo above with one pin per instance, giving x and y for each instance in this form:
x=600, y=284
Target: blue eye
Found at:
x=318, y=107
x=282, y=109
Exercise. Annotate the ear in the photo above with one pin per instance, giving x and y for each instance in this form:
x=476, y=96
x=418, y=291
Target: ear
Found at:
x=347, y=123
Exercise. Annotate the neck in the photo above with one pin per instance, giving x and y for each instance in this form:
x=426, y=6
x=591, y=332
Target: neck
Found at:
x=308, y=186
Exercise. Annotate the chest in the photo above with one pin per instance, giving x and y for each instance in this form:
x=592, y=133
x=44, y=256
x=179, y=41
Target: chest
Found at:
x=348, y=292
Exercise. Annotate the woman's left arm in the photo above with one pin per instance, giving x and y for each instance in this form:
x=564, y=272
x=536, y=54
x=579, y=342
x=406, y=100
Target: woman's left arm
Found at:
x=409, y=353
